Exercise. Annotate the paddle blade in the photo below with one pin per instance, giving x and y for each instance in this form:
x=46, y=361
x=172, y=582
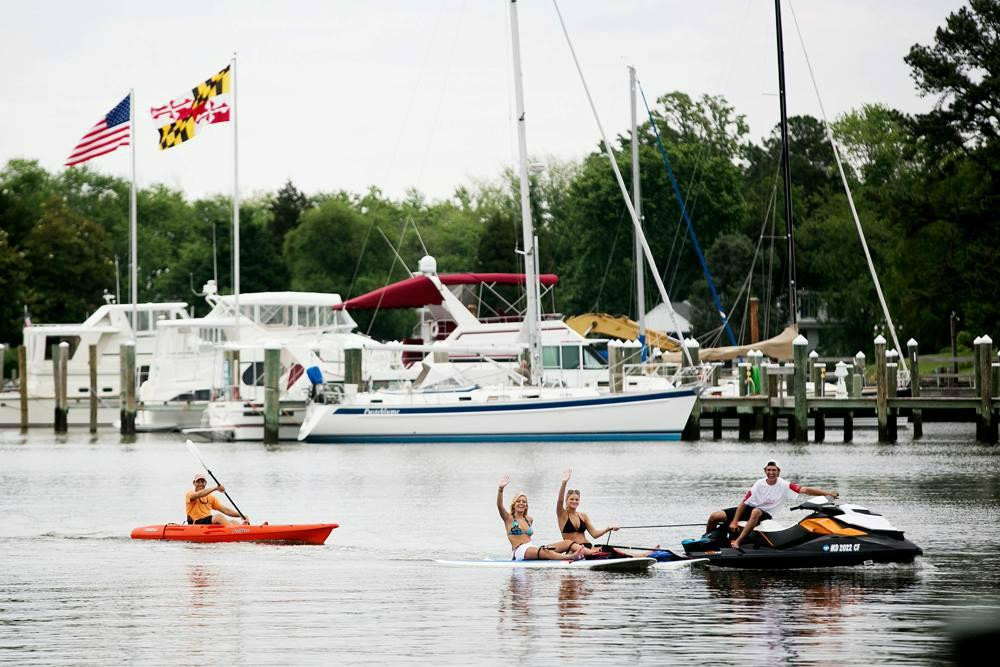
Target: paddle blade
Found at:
x=195, y=453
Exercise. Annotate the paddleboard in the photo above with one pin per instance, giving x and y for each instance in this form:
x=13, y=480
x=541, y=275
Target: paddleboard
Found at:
x=678, y=564
x=600, y=564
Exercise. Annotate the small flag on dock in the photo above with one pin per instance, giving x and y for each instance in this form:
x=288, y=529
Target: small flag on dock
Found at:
x=108, y=133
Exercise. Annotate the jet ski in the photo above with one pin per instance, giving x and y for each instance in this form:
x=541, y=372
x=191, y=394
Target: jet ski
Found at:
x=832, y=535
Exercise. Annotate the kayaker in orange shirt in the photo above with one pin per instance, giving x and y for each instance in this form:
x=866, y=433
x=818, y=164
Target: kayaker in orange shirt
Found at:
x=199, y=504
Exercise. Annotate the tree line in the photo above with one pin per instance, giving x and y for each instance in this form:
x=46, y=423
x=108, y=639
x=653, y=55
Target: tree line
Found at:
x=925, y=187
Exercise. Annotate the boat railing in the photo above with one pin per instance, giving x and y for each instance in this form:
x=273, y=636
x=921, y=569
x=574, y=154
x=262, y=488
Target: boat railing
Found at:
x=679, y=376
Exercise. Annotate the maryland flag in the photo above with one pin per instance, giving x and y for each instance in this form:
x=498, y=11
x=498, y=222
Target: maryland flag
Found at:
x=206, y=105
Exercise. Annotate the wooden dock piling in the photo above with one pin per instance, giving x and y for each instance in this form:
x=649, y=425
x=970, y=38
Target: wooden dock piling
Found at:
x=892, y=381
x=92, y=365
x=986, y=422
x=881, y=390
x=60, y=353
x=272, y=371
x=692, y=430
x=770, y=381
x=353, y=366
x=22, y=382
x=916, y=416
x=798, y=429
x=616, y=367
x=127, y=409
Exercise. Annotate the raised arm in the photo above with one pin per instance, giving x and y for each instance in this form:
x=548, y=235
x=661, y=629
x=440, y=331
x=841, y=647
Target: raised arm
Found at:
x=194, y=495
x=504, y=481
x=562, y=493
x=813, y=491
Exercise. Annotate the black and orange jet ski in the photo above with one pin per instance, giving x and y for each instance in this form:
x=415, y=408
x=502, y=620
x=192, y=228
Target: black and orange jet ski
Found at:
x=831, y=536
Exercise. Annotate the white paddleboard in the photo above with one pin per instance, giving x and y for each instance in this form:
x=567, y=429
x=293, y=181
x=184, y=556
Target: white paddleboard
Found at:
x=603, y=565
x=677, y=564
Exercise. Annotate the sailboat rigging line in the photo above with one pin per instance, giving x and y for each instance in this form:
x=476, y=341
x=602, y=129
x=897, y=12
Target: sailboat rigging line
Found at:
x=687, y=221
x=607, y=267
x=625, y=194
x=850, y=196
x=392, y=267
x=357, y=264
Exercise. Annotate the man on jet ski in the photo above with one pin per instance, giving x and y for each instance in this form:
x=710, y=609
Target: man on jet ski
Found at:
x=764, y=497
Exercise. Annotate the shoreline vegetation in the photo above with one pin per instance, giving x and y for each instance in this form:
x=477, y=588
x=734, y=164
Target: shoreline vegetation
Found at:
x=926, y=187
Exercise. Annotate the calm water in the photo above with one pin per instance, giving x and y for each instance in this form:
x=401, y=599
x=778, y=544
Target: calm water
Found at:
x=75, y=589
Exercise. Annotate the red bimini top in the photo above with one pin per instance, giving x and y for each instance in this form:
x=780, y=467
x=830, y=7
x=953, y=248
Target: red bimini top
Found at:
x=419, y=291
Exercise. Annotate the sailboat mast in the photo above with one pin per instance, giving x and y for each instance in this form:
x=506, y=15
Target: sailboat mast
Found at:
x=640, y=288
x=793, y=301
x=532, y=315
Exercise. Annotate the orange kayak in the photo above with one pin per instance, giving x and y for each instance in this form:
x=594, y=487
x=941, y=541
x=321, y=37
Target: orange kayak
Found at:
x=308, y=533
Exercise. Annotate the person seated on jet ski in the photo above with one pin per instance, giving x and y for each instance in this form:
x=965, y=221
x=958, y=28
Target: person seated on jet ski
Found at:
x=573, y=523
x=519, y=531
x=765, y=496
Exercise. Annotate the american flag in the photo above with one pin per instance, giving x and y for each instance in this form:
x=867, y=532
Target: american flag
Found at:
x=108, y=134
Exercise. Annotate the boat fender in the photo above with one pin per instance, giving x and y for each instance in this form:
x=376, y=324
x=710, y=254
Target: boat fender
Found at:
x=315, y=375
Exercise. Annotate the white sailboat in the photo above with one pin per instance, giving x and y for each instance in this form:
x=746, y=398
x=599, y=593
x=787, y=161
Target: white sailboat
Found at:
x=502, y=412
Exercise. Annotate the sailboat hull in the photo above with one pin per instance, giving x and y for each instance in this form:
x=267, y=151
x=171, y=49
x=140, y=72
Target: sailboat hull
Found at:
x=452, y=418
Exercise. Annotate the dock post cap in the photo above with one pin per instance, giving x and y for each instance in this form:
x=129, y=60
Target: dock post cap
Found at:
x=986, y=340
x=911, y=343
x=859, y=355
x=129, y=342
x=977, y=340
x=632, y=343
x=892, y=354
x=614, y=342
x=800, y=340
x=880, y=339
x=691, y=342
x=814, y=355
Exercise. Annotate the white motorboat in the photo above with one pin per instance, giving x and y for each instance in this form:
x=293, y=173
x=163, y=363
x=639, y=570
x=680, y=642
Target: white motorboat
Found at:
x=108, y=328
x=186, y=372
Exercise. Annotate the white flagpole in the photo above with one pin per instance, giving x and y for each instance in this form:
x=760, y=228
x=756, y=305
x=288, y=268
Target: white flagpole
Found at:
x=133, y=227
x=236, y=205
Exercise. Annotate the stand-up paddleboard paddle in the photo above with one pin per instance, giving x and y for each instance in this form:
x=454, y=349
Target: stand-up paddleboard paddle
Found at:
x=195, y=453
x=665, y=525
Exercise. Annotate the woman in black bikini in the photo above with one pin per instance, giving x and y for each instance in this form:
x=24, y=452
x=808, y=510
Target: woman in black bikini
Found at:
x=519, y=531
x=573, y=523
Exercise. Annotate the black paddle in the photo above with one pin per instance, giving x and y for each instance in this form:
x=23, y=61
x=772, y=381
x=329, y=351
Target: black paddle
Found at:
x=666, y=525
x=194, y=452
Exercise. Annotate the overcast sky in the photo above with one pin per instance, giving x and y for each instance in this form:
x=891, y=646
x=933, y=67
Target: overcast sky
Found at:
x=345, y=94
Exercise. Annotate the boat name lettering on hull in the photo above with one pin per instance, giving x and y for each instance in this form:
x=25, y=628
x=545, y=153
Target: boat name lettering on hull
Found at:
x=381, y=411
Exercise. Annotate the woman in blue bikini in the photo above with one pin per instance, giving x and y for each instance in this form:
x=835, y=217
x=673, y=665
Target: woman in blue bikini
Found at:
x=519, y=531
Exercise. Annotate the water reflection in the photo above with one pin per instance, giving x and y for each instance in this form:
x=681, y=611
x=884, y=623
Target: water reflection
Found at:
x=799, y=607
x=204, y=586
x=573, y=589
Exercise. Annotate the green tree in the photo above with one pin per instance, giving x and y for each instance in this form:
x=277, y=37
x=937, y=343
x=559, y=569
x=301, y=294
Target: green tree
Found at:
x=71, y=266
x=962, y=69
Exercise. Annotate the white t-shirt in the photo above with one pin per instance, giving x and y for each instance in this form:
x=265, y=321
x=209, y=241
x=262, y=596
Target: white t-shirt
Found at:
x=768, y=497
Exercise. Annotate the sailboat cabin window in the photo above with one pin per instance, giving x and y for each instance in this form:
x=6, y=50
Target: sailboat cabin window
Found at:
x=571, y=357
x=550, y=356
